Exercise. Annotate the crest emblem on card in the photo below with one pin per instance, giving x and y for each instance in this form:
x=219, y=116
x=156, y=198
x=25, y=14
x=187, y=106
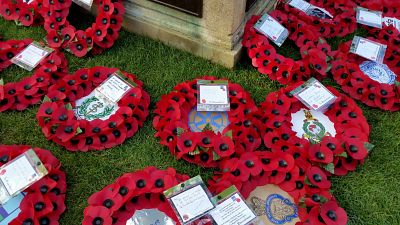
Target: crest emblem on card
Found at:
x=278, y=209
x=314, y=130
x=217, y=121
x=92, y=108
x=378, y=72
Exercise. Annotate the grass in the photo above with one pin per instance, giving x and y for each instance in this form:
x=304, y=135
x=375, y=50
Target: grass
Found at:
x=370, y=195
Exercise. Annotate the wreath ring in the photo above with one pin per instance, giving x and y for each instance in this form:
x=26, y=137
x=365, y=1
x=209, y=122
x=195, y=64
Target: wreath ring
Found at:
x=100, y=36
x=281, y=188
x=30, y=90
x=291, y=127
x=315, y=51
x=132, y=192
x=44, y=200
x=59, y=124
x=206, y=147
x=347, y=73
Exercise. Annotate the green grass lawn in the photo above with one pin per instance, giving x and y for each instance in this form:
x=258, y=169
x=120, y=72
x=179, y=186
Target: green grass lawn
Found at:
x=371, y=195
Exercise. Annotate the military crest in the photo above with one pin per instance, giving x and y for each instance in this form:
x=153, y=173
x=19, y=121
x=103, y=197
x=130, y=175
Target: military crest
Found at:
x=217, y=121
x=278, y=209
x=91, y=108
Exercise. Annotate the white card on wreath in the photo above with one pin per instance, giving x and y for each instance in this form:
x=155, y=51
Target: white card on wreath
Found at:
x=272, y=28
x=300, y=4
x=113, y=89
x=233, y=210
x=213, y=94
x=316, y=96
x=368, y=49
x=87, y=4
x=31, y=56
x=192, y=203
x=369, y=18
x=392, y=21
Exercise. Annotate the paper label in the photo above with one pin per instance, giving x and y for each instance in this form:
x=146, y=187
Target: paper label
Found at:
x=214, y=94
x=319, y=12
x=368, y=49
x=368, y=17
x=31, y=56
x=273, y=206
x=112, y=89
x=10, y=210
x=192, y=203
x=312, y=125
x=233, y=210
x=87, y=4
x=273, y=28
x=90, y=108
x=300, y=4
x=149, y=217
x=378, y=72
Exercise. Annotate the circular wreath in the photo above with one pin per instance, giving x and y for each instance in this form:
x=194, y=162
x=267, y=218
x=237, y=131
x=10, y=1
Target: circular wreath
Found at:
x=44, y=200
x=315, y=51
x=342, y=23
x=307, y=185
x=347, y=72
x=100, y=36
x=206, y=147
x=30, y=90
x=117, y=202
x=21, y=12
x=59, y=124
x=337, y=154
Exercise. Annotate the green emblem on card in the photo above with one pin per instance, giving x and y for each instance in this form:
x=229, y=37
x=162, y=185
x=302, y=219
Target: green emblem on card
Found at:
x=92, y=108
x=314, y=130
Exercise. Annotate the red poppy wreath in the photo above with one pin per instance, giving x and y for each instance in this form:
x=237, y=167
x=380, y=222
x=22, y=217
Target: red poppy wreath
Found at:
x=131, y=194
x=204, y=138
x=281, y=188
x=336, y=140
x=30, y=90
x=60, y=124
x=342, y=23
x=100, y=36
x=376, y=85
x=315, y=51
x=43, y=202
x=23, y=12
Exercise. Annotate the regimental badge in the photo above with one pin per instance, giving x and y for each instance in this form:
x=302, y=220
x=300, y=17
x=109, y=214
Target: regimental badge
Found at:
x=92, y=108
x=278, y=209
x=314, y=130
x=378, y=72
x=217, y=121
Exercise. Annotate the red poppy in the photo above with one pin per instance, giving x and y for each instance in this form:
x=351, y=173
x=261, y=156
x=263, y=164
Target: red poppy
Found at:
x=97, y=215
x=318, y=178
x=356, y=149
x=332, y=214
x=53, y=39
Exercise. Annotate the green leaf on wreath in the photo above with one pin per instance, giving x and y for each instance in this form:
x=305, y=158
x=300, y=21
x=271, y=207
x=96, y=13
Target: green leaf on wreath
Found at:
x=323, y=199
x=343, y=154
x=369, y=146
x=1, y=82
x=397, y=83
x=330, y=168
x=208, y=127
x=180, y=131
x=320, y=40
x=78, y=131
x=308, y=182
x=68, y=106
x=196, y=151
x=46, y=99
x=229, y=134
x=328, y=68
x=215, y=156
x=225, y=170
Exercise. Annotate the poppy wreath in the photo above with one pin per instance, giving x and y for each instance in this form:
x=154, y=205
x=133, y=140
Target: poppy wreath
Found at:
x=336, y=153
x=100, y=36
x=315, y=51
x=30, y=90
x=206, y=148
x=306, y=184
x=347, y=73
x=21, y=12
x=59, y=123
x=117, y=202
x=342, y=24
x=44, y=200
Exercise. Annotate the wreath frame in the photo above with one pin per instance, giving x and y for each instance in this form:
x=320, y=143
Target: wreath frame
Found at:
x=45, y=199
x=60, y=125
